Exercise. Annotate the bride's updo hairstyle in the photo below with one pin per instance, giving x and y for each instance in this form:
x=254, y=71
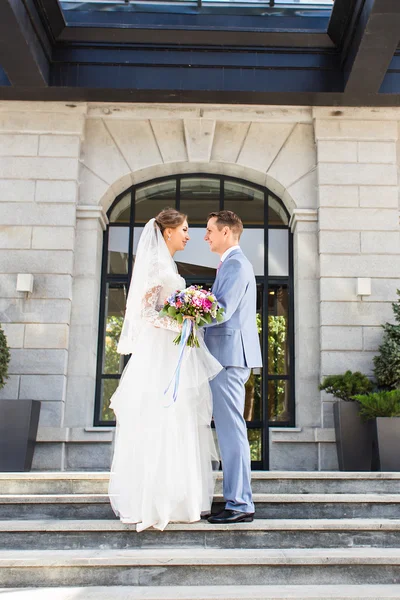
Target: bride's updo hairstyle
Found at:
x=169, y=218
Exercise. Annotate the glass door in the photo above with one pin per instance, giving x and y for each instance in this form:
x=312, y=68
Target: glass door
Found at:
x=267, y=243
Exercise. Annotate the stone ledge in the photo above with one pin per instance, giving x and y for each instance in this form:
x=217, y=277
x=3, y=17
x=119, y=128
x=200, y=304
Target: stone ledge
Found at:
x=259, y=498
x=208, y=592
x=264, y=475
x=356, y=113
x=87, y=211
x=85, y=526
x=99, y=429
x=37, y=106
x=172, y=557
x=302, y=435
x=74, y=435
x=105, y=434
x=303, y=215
x=287, y=114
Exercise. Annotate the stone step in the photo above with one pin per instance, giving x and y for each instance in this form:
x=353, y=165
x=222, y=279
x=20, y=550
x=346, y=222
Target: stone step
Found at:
x=231, y=592
x=272, y=482
x=262, y=533
x=171, y=567
x=268, y=506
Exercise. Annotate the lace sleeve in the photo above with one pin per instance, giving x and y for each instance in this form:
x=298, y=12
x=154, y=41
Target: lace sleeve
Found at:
x=151, y=314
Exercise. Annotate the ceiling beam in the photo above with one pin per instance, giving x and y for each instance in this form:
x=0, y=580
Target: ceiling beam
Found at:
x=3, y=78
x=266, y=39
x=52, y=17
x=343, y=12
x=200, y=29
x=391, y=83
x=191, y=68
x=374, y=42
x=93, y=94
x=21, y=54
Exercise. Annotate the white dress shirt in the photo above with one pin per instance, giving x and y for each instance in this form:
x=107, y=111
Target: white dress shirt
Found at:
x=227, y=252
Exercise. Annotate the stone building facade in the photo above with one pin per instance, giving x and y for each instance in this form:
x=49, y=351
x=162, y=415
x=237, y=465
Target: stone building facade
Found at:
x=62, y=166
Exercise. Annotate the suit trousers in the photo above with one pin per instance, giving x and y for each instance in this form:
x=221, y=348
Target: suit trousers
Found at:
x=228, y=406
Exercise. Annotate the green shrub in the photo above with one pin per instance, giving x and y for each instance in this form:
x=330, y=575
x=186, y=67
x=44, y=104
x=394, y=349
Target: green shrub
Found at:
x=387, y=362
x=4, y=358
x=346, y=386
x=379, y=404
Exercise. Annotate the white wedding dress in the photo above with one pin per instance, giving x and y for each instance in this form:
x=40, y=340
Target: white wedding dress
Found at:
x=165, y=458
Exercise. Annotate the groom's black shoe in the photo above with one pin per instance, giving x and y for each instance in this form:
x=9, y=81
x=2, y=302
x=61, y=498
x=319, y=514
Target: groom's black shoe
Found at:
x=231, y=516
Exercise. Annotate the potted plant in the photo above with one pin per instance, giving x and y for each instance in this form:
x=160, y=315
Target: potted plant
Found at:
x=387, y=362
x=4, y=358
x=353, y=436
x=18, y=423
x=382, y=409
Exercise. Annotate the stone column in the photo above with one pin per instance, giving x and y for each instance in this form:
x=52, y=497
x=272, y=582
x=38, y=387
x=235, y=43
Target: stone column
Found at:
x=91, y=221
x=79, y=409
x=298, y=446
x=358, y=236
x=304, y=225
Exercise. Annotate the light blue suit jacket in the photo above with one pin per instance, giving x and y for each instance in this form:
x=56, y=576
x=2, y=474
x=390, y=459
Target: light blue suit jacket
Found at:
x=235, y=341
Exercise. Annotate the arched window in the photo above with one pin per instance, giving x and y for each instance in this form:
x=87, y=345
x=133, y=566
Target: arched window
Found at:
x=266, y=241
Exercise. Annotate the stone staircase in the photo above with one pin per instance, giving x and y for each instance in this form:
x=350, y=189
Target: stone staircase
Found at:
x=316, y=536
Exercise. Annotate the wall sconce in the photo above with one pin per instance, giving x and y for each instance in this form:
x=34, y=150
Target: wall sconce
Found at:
x=363, y=286
x=25, y=283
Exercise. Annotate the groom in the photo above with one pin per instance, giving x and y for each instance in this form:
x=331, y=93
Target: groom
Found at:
x=235, y=344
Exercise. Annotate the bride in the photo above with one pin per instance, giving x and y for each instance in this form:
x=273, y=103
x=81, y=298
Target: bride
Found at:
x=164, y=453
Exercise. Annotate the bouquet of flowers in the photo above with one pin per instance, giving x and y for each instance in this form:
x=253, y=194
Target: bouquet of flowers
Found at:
x=195, y=306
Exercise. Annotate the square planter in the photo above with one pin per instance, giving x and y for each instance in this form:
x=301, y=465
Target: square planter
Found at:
x=19, y=421
x=387, y=441
x=353, y=437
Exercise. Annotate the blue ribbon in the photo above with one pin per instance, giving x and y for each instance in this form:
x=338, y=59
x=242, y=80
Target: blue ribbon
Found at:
x=186, y=330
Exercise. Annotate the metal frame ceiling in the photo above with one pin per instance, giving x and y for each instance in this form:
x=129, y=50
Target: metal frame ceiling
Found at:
x=349, y=57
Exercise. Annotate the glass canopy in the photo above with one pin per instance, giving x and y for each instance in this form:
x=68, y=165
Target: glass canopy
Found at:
x=273, y=7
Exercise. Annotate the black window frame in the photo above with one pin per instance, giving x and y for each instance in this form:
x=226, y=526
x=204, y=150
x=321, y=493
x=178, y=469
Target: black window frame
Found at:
x=266, y=280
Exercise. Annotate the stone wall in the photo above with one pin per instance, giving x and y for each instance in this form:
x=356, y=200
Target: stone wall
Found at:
x=39, y=166
x=359, y=235
x=61, y=166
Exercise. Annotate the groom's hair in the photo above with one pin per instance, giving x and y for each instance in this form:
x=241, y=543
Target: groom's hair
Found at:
x=227, y=218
